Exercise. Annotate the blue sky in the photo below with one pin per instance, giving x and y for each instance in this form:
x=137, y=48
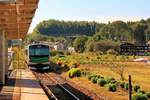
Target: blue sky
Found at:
x=92, y=10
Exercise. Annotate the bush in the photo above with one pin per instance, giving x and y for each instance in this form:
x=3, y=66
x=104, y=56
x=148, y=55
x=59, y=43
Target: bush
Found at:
x=94, y=79
x=101, y=82
x=74, y=72
x=110, y=80
x=54, y=53
x=92, y=75
x=112, y=52
x=139, y=96
x=148, y=94
x=67, y=53
x=98, y=76
x=122, y=84
x=104, y=45
x=79, y=44
x=84, y=73
x=136, y=88
x=111, y=87
x=126, y=86
x=141, y=91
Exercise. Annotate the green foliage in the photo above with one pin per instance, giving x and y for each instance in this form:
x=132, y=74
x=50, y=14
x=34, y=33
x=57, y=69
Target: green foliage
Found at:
x=111, y=87
x=122, y=84
x=74, y=72
x=141, y=91
x=136, y=88
x=110, y=80
x=90, y=44
x=139, y=32
x=139, y=96
x=101, y=82
x=112, y=52
x=79, y=44
x=94, y=79
x=126, y=86
x=92, y=75
x=116, y=31
x=66, y=28
x=148, y=94
x=104, y=45
x=54, y=53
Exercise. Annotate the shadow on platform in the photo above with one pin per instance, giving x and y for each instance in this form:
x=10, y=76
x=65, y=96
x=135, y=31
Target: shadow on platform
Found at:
x=24, y=83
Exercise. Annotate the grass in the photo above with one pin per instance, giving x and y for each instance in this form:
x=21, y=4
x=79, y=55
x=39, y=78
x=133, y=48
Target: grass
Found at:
x=140, y=72
x=19, y=58
x=140, y=75
x=91, y=58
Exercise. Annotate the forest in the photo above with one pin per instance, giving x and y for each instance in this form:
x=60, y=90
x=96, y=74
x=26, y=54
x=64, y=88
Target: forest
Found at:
x=92, y=36
x=134, y=32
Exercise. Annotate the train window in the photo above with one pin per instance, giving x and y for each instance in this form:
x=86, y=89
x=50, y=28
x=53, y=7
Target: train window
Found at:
x=39, y=51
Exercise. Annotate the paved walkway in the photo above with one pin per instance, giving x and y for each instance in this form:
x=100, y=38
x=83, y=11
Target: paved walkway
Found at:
x=22, y=85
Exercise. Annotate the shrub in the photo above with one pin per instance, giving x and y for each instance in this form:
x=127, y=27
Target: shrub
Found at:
x=126, y=86
x=74, y=72
x=139, y=96
x=98, y=76
x=117, y=83
x=112, y=52
x=111, y=87
x=101, y=82
x=54, y=53
x=148, y=94
x=110, y=80
x=102, y=77
x=122, y=84
x=67, y=53
x=91, y=75
x=104, y=45
x=141, y=91
x=85, y=73
x=65, y=67
x=93, y=79
x=136, y=88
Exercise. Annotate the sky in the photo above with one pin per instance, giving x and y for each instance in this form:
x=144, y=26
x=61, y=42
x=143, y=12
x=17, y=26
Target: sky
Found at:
x=91, y=10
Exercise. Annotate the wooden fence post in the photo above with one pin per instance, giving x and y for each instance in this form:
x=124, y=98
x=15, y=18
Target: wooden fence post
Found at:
x=130, y=88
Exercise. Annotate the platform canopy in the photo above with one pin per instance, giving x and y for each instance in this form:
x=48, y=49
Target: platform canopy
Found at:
x=16, y=17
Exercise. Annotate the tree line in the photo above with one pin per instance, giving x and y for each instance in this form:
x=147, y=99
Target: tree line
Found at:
x=134, y=32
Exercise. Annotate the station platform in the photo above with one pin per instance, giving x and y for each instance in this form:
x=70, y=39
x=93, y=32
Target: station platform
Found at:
x=22, y=85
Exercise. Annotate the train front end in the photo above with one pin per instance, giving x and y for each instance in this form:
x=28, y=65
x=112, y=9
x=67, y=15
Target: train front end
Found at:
x=38, y=57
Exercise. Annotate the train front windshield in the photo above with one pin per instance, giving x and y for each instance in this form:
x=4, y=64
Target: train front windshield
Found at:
x=38, y=51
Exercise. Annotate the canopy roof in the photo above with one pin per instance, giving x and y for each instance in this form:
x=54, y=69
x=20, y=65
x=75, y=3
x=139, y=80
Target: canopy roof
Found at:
x=16, y=17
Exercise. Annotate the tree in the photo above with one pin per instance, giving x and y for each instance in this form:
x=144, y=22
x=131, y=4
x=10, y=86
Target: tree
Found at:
x=118, y=69
x=105, y=45
x=90, y=44
x=139, y=32
x=147, y=34
x=79, y=43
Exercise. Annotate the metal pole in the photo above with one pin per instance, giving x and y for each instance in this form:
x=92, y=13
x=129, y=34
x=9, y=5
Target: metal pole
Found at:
x=130, y=88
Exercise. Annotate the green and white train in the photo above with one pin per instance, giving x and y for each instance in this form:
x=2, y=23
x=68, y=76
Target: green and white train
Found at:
x=38, y=56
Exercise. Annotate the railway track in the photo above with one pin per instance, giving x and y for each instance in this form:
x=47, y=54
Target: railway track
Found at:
x=54, y=89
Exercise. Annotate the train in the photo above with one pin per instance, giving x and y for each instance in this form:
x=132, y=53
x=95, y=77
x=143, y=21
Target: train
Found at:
x=38, y=56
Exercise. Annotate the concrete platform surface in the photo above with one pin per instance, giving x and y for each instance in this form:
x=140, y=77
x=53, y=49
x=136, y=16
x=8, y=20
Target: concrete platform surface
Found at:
x=22, y=85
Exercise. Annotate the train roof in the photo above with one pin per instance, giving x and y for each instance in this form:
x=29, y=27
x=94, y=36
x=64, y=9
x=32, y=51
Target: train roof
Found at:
x=38, y=44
